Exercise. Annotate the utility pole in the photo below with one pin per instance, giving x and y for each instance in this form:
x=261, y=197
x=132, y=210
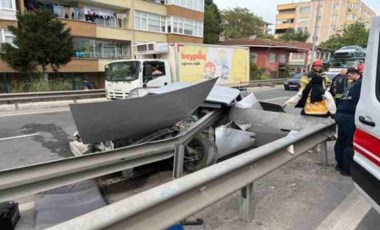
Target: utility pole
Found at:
x=315, y=33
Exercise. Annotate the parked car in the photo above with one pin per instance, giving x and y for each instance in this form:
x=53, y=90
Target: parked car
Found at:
x=293, y=83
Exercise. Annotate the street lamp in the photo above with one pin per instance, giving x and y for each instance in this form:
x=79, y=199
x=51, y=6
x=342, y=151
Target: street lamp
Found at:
x=315, y=33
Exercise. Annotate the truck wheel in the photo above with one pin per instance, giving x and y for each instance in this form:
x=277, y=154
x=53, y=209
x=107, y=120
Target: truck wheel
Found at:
x=199, y=153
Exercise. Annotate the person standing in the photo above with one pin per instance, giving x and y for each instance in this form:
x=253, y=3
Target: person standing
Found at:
x=314, y=99
x=316, y=70
x=339, y=85
x=345, y=119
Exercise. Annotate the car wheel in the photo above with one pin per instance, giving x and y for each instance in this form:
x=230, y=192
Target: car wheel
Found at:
x=286, y=87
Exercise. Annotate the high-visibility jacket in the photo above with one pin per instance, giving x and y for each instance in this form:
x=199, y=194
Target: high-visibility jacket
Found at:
x=306, y=79
x=339, y=85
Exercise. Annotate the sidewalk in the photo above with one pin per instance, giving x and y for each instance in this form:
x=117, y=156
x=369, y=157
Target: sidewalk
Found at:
x=301, y=195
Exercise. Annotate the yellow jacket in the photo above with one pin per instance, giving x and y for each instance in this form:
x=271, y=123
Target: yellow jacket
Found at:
x=306, y=79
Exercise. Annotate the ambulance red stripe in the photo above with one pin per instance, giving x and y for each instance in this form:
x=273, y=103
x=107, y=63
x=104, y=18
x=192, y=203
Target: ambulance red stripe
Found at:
x=367, y=146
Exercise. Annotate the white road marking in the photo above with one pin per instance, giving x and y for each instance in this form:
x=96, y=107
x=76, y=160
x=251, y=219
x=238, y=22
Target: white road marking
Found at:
x=277, y=98
x=348, y=214
x=17, y=137
x=35, y=112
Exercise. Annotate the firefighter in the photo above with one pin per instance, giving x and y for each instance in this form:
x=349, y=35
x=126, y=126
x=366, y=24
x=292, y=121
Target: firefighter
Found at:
x=345, y=119
x=316, y=70
x=314, y=99
x=360, y=68
x=340, y=84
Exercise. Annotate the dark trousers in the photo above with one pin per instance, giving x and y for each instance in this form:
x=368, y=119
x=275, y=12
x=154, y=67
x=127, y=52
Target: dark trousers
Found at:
x=344, y=151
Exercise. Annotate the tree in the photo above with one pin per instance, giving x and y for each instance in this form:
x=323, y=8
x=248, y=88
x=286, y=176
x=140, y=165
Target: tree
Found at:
x=241, y=23
x=40, y=40
x=354, y=34
x=212, y=23
x=292, y=35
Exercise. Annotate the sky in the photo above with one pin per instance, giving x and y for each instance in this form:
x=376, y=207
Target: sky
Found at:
x=267, y=8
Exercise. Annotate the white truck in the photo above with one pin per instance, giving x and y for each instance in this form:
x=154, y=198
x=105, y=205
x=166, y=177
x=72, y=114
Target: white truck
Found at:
x=345, y=57
x=160, y=64
x=366, y=167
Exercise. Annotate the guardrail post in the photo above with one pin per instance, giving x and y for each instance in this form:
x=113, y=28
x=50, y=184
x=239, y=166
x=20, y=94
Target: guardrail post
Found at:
x=5, y=78
x=75, y=100
x=324, y=154
x=247, y=203
x=16, y=105
x=179, y=156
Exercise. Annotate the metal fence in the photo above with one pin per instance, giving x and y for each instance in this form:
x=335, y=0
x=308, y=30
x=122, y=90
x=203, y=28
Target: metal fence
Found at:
x=16, y=98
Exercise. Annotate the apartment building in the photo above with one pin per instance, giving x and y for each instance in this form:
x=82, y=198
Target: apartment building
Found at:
x=332, y=15
x=106, y=30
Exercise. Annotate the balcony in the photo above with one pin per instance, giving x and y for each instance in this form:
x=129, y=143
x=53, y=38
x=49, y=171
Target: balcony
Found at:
x=284, y=26
x=103, y=15
x=283, y=16
x=8, y=14
x=287, y=7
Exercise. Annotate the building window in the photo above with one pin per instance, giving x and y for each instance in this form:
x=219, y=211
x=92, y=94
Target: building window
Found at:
x=302, y=29
x=335, y=6
x=298, y=56
x=334, y=18
x=352, y=5
x=332, y=30
x=91, y=48
x=157, y=1
x=272, y=58
x=7, y=4
x=351, y=17
x=197, y=5
x=253, y=57
x=305, y=10
x=303, y=21
x=282, y=58
x=184, y=26
x=6, y=36
x=150, y=22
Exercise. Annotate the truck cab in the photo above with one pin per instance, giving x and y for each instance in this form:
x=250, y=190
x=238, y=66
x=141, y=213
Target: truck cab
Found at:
x=365, y=169
x=126, y=75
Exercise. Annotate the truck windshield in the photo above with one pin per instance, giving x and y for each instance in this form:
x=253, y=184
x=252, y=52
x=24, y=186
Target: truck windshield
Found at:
x=123, y=71
x=343, y=63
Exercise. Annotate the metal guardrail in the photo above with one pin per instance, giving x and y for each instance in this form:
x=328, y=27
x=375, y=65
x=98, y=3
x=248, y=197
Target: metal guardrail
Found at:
x=19, y=182
x=165, y=205
x=269, y=82
x=16, y=98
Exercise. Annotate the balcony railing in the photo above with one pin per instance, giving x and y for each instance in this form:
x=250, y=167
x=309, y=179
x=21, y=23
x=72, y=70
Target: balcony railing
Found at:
x=8, y=14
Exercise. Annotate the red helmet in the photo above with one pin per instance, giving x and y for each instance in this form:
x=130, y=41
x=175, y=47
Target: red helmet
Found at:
x=317, y=63
x=360, y=67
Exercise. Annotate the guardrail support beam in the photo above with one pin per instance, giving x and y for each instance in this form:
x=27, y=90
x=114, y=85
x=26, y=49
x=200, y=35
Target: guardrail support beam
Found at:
x=16, y=105
x=247, y=203
x=324, y=154
x=179, y=157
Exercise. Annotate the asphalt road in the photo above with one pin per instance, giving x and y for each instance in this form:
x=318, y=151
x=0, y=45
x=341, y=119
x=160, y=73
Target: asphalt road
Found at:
x=301, y=195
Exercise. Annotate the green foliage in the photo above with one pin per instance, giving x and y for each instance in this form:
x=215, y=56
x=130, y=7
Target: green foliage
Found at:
x=354, y=34
x=292, y=35
x=242, y=23
x=212, y=23
x=256, y=72
x=38, y=84
x=41, y=40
